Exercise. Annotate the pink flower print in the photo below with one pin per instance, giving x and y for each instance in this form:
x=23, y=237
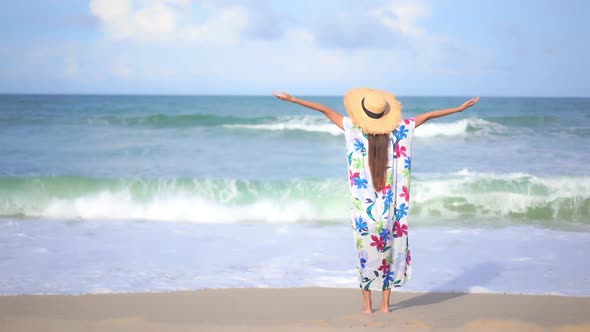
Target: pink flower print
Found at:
x=378, y=242
x=408, y=258
x=407, y=121
x=385, y=189
x=352, y=176
x=405, y=193
x=400, y=151
x=384, y=266
x=399, y=229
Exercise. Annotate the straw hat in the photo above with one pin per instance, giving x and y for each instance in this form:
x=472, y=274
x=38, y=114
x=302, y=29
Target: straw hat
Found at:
x=375, y=111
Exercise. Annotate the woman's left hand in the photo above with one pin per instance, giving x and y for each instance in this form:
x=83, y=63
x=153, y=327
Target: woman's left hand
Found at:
x=284, y=96
x=468, y=103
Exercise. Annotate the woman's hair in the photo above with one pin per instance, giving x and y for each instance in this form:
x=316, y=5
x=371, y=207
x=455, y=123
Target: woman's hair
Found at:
x=378, y=153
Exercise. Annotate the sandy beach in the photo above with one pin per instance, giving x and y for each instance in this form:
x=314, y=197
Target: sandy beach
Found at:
x=293, y=309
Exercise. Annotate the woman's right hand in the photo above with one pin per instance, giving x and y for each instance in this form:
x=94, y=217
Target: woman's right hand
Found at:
x=284, y=96
x=468, y=103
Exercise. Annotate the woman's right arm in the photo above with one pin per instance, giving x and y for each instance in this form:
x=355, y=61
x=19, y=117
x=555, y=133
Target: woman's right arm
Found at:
x=331, y=114
x=420, y=119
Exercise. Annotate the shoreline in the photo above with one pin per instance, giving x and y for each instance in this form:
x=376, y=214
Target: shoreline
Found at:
x=291, y=309
x=413, y=291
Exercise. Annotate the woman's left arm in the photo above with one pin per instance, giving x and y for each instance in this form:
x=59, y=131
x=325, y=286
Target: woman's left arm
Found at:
x=331, y=114
x=420, y=119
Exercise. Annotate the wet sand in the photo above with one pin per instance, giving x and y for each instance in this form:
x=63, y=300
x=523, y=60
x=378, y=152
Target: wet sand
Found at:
x=292, y=309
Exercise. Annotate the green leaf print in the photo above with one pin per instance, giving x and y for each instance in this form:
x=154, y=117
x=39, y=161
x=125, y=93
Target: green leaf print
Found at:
x=389, y=260
x=350, y=158
x=397, y=282
x=386, y=248
x=367, y=286
x=406, y=173
x=386, y=209
x=357, y=163
x=388, y=176
x=359, y=242
x=388, y=179
x=357, y=204
x=380, y=226
x=370, y=211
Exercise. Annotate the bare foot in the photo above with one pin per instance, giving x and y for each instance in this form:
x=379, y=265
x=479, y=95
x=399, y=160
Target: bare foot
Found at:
x=367, y=311
x=384, y=310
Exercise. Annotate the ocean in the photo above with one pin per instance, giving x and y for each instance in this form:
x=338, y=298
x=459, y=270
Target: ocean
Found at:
x=109, y=194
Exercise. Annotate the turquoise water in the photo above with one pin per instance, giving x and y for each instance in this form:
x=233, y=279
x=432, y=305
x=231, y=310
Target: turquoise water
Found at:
x=92, y=162
x=512, y=160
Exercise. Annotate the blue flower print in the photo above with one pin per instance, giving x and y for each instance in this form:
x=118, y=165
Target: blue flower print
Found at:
x=388, y=197
x=385, y=234
x=389, y=276
x=359, y=146
x=363, y=258
x=401, y=211
x=401, y=133
x=360, y=183
x=361, y=225
x=408, y=162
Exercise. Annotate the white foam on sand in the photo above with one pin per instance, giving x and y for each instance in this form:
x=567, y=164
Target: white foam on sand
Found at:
x=196, y=256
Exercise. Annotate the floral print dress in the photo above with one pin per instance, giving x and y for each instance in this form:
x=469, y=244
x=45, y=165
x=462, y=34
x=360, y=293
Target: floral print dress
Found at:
x=380, y=219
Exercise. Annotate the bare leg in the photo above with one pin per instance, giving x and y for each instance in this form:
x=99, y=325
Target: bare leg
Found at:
x=385, y=301
x=367, y=304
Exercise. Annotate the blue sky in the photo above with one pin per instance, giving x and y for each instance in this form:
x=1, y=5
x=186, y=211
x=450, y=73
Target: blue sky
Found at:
x=431, y=48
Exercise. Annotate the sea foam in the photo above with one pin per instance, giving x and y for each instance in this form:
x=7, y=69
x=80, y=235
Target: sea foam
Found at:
x=318, y=124
x=457, y=198
x=315, y=124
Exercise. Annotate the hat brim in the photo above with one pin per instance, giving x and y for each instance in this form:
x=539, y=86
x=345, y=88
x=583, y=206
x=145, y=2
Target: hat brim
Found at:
x=383, y=125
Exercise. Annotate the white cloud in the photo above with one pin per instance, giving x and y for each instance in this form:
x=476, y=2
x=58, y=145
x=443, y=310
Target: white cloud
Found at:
x=299, y=59
x=166, y=21
x=424, y=51
x=224, y=28
x=174, y=47
x=403, y=15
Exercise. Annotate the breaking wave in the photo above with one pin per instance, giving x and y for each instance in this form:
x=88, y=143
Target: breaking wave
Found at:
x=478, y=197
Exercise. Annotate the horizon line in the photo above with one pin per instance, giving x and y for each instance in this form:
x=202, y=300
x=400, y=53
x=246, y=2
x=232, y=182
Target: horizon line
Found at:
x=255, y=95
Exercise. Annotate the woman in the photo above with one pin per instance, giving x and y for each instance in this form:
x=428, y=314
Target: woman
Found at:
x=379, y=147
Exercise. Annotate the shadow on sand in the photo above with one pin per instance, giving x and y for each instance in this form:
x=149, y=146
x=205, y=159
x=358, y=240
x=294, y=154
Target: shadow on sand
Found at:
x=477, y=275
